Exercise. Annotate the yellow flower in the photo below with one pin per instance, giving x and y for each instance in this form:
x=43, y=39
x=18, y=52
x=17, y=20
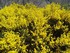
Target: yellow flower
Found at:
x=12, y=52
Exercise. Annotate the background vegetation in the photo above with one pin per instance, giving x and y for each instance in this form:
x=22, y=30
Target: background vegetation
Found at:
x=39, y=3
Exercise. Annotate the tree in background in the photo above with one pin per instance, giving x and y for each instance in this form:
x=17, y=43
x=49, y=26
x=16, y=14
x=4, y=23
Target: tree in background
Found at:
x=40, y=3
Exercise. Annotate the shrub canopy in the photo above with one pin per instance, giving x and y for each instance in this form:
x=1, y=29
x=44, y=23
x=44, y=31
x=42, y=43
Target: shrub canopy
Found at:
x=31, y=29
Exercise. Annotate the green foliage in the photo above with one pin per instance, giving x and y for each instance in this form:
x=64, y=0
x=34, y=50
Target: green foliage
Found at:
x=67, y=6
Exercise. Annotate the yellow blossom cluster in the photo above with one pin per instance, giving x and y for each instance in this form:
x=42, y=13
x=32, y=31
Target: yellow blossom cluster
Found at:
x=11, y=43
x=31, y=29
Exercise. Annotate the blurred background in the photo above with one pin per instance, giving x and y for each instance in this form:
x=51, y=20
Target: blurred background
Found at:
x=40, y=3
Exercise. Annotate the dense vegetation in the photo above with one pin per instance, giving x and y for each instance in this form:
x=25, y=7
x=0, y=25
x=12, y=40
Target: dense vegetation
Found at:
x=31, y=29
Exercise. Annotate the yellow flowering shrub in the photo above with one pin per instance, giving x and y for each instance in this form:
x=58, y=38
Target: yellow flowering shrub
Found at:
x=11, y=43
x=31, y=29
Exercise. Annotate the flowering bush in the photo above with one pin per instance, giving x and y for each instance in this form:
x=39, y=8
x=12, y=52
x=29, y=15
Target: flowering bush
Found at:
x=31, y=29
